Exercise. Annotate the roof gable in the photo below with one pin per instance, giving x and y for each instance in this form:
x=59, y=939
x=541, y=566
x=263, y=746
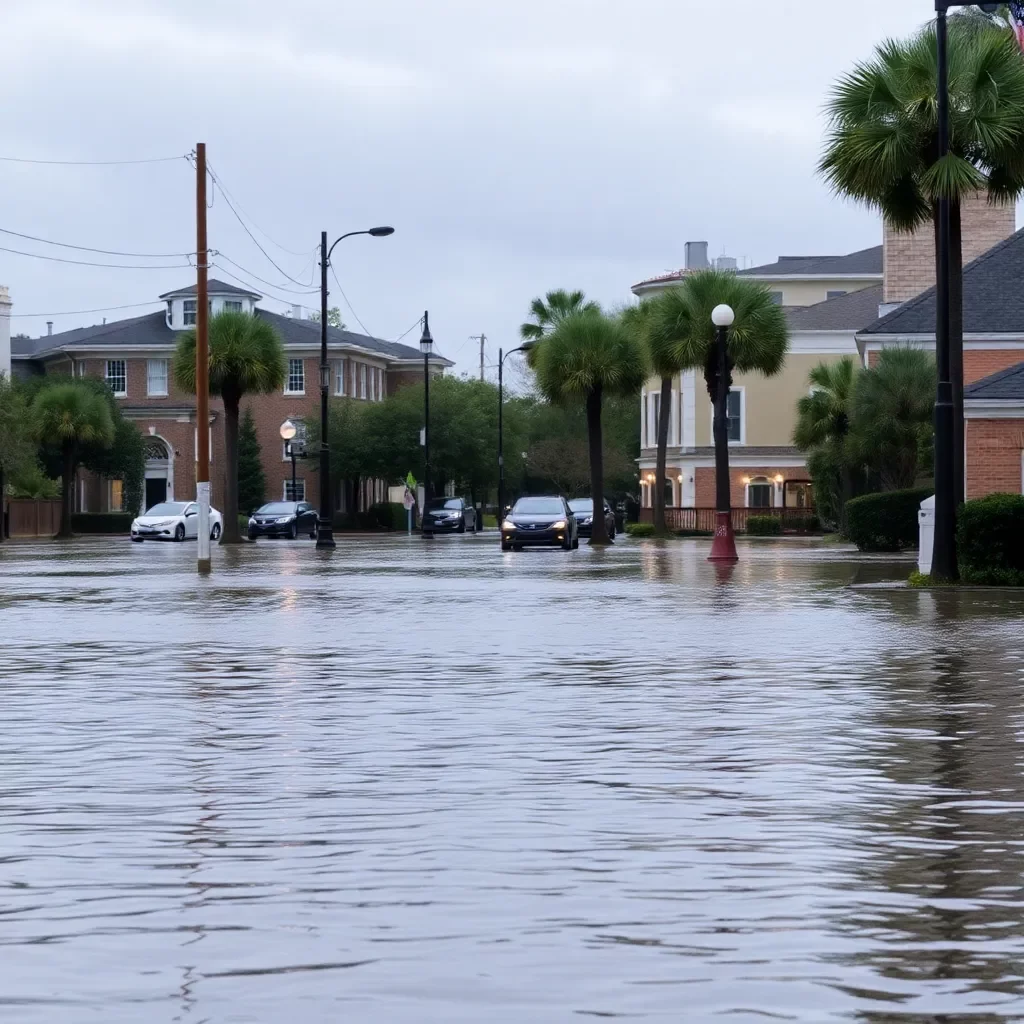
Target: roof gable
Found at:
x=213, y=287
x=1007, y=385
x=845, y=313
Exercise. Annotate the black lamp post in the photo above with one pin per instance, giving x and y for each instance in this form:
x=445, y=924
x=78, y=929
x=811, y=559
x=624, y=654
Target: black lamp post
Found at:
x=427, y=348
x=288, y=432
x=325, y=528
x=723, y=549
x=502, y=356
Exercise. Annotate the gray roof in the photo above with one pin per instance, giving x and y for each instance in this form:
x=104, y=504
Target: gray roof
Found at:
x=993, y=299
x=151, y=330
x=1007, y=385
x=214, y=287
x=865, y=262
x=846, y=313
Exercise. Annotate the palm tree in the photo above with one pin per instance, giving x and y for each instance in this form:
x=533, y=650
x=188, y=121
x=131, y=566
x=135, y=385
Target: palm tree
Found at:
x=548, y=313
x=882, y=147
x=16, y=449
x=891, y=428
x=246, y=357
x=587, y=357
x=71, y=414
x=638, y=320
x=823, y=429
x=684, y=335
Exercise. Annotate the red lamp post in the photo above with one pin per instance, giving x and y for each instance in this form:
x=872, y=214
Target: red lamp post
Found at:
x=723, y=550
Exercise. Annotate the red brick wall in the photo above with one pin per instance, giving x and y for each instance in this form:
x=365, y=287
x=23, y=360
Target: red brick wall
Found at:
x=979, y=362
x=705, y=482
x=994, y=450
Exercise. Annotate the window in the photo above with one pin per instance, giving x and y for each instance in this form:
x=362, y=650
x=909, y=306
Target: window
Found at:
x=299, y=494
x=232, y=306
x=777, y=298
x=834, y=295
x=362, y=380
x=643, y=419
x=339, y=378
x=759, y=493
x=170, y=313
x=116, y=496
x=296, y=384
x=156, y=378
x=117, y=377
x=189, y=312
x=734, y=415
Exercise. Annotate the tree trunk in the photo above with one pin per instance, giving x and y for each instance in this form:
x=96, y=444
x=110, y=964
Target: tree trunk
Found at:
x=664, y=420
x=231, y=533
x=66, y=491
x=599, y=532
x=956, y=345
x=846, y=478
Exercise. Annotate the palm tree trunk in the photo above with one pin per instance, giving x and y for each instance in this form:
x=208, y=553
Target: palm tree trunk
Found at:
x=599, y=533
x=846, y=478
x=66, y=491
x=956, y=345
x=664, y=420
x=231, y=533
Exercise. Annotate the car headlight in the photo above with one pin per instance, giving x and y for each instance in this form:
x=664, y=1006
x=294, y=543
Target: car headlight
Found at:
x=560, y=525
x=508, y=525
x=285, y=519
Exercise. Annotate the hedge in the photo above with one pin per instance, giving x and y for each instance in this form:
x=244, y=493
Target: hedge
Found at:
x=886, y=521
x=389, y=515
x=764, y=526
x=640, y=529
x=990, y=536
x=101, y=522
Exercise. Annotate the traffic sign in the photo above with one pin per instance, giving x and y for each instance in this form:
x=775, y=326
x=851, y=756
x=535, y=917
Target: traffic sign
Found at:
x=408, y=500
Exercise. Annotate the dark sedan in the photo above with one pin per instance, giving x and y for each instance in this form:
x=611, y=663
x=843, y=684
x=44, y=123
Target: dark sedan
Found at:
x=283, y=519
x=583, y=510
x=444, y=515
x=539, y=521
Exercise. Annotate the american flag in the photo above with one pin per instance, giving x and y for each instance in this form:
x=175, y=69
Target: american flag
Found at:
x=1017, y=21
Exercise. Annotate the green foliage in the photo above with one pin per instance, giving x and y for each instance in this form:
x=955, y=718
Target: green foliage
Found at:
x=17, y=448
x=886, y=521
x=990, y=537
x=31, y=482
x=764, y=526
x=102, y=522
x=548, y=312
x=640, y=529
x=390, y=515
x=333, y=318
x=69, y=414
x=252, y=483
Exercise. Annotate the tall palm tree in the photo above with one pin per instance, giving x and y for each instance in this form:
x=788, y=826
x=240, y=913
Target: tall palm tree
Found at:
x=638, y=321
x=70, y=414
x=882, y=146
x=823, y=428
x=683, y=333
x=587, y=357
x=246, y=357
x=548, y=312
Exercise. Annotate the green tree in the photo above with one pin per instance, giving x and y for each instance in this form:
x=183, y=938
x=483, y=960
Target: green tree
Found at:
x=548, y=312
x=882, y=146
x=17, y=451
x=70, y=414
x=823, y=432
x=252, y=482
x=891, y=427
x=333, y=318
x=246, y=357
x=586, y=357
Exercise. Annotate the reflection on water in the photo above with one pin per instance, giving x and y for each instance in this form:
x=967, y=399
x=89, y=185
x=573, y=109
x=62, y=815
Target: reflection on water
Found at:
x=431, y=783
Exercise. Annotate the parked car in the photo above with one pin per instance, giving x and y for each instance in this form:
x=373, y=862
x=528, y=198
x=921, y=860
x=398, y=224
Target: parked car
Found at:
x=444, y=515
x=283, y=519
x=543, y=520
x=583, y=510
x=174, y=520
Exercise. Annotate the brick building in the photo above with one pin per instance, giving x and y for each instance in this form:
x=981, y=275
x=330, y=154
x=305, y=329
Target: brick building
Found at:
x=135, y=357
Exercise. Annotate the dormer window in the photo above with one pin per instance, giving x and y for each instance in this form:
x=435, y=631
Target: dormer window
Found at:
x=232, y=306
x=189, y=308
x=170, y=313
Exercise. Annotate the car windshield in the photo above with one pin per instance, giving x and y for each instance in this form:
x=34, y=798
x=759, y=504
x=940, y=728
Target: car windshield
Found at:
x=278, y=508
x=167, y=508
x=451, y=503
x=538, y=507
x=582, y=505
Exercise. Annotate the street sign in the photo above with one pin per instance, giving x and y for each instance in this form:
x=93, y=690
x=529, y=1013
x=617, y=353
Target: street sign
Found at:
x=410, y=482
x=408, y=500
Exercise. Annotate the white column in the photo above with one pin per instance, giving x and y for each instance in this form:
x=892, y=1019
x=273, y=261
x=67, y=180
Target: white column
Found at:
x=688, y=403
x=673, y=427
x=5, y=331
x=643, y=419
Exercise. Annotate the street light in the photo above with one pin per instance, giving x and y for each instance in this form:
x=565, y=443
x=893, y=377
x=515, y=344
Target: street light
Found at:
x=427, y=348
x=723, y=549
x=325, y=528
x=288, y=432
x=502, y=356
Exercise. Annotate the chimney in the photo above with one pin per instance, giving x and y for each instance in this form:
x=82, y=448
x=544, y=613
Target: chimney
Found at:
x=5, y=331
x=726, y=263
x=49, y=328
x=908, y=260
x=296, y=311
x=696, y=255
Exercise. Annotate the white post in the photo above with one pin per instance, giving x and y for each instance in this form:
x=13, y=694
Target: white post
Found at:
x=203, y=499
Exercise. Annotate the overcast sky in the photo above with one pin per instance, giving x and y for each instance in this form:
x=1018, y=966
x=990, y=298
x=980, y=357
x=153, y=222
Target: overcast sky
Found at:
x=516, y=147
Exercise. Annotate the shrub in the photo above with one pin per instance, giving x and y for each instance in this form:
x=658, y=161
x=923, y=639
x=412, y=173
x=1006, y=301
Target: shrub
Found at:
x=101, y=522
x=388, y=515
x=640, y=529
x=886, y=521
x=990, y=535
x=764, y=526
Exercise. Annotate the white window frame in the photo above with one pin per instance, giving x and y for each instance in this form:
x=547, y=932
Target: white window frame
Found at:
x=107, y=376
x=288, y=390
x=232, y=306
x=741, y=389
x=189, y=317
x=300, y=486
x=362, y=380
x=780, y=300
x=760, y=481
x=340, y=383
x=643, y=420
x=150, y=363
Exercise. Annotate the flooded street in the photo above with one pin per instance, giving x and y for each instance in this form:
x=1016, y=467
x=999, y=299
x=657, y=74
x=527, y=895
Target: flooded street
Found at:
x=427, y=782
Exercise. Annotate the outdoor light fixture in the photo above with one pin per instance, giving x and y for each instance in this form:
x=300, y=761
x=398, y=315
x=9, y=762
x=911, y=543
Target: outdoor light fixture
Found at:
x=325, y=376
x=779, y=479
x=723, y=316
x=746, y=479
x=427, y=348
x=723, y=548
x=288, y=430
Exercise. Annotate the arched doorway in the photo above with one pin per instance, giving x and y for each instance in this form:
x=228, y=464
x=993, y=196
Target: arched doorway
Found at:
x=159, y=475
x=759, y=492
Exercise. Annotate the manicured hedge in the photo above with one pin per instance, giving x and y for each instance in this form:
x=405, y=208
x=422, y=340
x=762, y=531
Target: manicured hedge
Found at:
x=764, y=526
x=389, y=515
x=886, y=521
x=990, y=536
x=101, y=522
x=640, y=529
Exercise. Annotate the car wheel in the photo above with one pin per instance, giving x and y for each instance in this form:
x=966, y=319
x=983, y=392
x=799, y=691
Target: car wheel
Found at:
x=315, y=531
x=179, y=532
x=215, y=532
x=293, y=533
x=576, y=543
x=505, y=547
x=517, y=547
x=252, y=535
x=137, y=540
x=462, y=527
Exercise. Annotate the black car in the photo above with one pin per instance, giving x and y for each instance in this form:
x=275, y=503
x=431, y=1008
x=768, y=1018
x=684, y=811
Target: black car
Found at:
x=583, y=510
x=539, y=521
x=283, y=519
x=444, y=515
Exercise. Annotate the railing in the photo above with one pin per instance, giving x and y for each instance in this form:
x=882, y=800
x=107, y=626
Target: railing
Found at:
x=703, y=520
x=28, y=518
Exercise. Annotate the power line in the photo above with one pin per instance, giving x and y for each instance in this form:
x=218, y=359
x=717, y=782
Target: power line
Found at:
x=101, y=309
x=108, y=266
x=256, y=277
x=418, y=323
x=250, y=285
x=366, y=330
x=104, y=252
x=91, y=163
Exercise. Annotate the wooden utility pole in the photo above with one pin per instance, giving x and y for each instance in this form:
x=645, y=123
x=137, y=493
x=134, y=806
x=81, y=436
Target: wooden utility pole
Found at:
x=482, y=338
x=202, y=365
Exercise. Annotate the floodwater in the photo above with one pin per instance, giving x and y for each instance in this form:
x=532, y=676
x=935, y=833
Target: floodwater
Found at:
x=427, y=782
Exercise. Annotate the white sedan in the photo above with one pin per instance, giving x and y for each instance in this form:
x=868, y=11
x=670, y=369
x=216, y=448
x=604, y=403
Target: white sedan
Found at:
x=174, y=520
